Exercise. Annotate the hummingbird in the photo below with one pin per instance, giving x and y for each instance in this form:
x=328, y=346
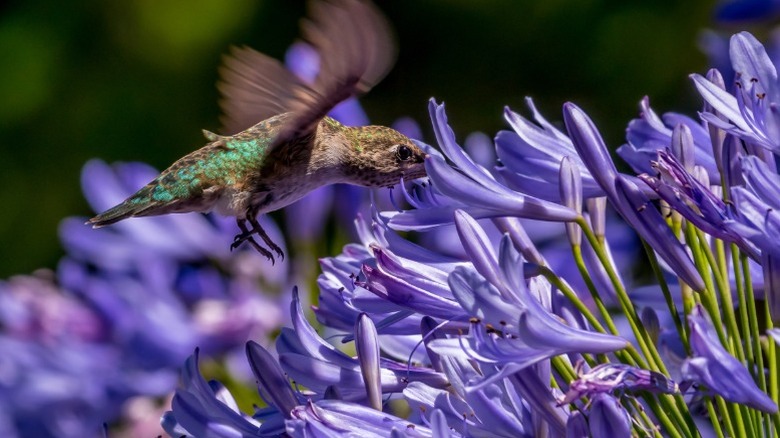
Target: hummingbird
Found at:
x=257, y=167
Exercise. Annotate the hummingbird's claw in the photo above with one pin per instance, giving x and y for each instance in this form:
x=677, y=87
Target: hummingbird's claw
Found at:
x=246, y=236
x=266, y=238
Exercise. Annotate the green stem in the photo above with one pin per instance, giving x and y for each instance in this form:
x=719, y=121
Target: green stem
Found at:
x=659, y=275
x=726, y=302
x=625, y=302
x=773, y=364
x=714, y=415
x=743, y=312
x=753, y=319
x=633, y=357
x=725, y=416
x=655, y=363
x=707, y=296
x=577, y=251
x=575, y=300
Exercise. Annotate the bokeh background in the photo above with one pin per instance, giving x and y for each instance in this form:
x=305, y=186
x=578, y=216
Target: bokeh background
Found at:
x=134, y=80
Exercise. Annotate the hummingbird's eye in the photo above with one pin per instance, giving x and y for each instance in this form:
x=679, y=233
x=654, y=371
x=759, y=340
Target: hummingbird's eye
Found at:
x=404, y=152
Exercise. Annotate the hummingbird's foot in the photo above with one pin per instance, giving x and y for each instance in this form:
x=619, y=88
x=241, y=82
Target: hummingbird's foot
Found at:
x=240, y=239
x=246, y=236
x=261, y=232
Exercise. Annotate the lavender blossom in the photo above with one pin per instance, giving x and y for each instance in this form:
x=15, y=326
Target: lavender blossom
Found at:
x=650, y=133
x=720, y=372
x=471, y=187
x=607, y=417
x=627, y=197
x=750, y=113
x=608, y=378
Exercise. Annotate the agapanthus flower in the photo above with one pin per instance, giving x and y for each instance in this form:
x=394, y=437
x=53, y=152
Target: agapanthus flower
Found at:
x=482, y=344
x=467, y=186
x=712, y=366
x=650, y=133
x=617, y=378
x=750, y=113
x=692, y=197
x=607, y=417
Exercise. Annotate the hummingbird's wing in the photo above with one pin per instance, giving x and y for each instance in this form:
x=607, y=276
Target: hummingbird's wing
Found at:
x=356, y=50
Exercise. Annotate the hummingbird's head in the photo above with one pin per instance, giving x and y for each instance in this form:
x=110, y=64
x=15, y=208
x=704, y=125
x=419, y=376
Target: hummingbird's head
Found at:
x=381, y=156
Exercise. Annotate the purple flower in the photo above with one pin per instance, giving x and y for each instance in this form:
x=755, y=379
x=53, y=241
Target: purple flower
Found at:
x=751, y=113
x=332, y=418
x=607, y=417
x=59, y=358
x=467, y=186
x=757, y=203
x=375, y=278
x=531, y=156
x=692, y=198
x=721, y=373
x=202, y=408
x=571, y=196
x=627, y=197
x=650, y=134
x=741, y=11
x=368, y=355
x=314, y=363
x=206, y=409
x=577, y=426
x=611, y=378
x=512, y=329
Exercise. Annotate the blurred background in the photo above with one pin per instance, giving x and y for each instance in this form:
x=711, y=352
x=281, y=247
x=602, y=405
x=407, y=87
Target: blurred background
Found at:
x=134, y=80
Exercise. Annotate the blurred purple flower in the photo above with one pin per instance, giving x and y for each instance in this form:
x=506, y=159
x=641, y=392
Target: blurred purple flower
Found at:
x=131, y=302
x=741, y=11
x=59, y=356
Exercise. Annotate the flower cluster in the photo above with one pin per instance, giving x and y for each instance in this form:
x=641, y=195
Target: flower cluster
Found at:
x=497, y=341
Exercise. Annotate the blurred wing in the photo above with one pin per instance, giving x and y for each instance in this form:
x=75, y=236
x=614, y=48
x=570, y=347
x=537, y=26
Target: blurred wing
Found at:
x=255, y=87
x=356, y=50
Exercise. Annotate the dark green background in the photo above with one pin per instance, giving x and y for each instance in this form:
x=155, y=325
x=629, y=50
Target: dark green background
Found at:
x=134, y=80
